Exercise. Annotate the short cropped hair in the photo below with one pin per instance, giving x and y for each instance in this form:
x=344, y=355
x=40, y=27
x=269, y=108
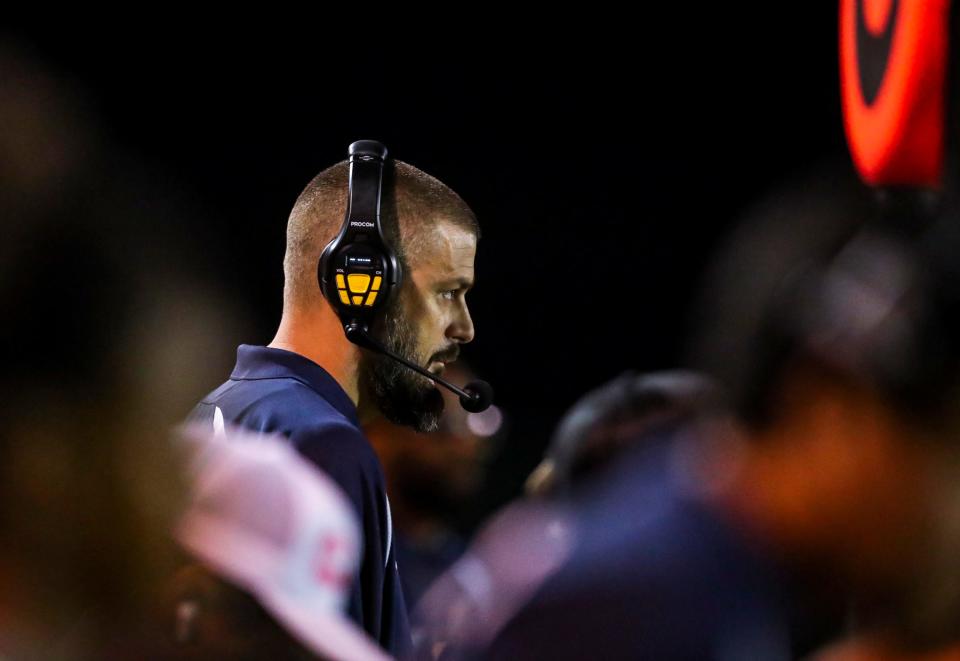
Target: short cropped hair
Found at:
x=421, y=202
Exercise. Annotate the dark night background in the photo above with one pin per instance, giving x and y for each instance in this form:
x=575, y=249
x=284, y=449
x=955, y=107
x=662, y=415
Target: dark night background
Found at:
x=605, y=159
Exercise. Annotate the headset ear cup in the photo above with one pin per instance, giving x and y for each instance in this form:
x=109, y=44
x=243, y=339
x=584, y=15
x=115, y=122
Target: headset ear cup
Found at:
x=355, y=246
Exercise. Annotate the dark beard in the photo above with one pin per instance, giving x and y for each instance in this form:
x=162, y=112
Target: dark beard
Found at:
x=402, y=396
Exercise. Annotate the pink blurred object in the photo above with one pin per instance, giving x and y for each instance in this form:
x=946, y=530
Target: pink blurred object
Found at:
x=273, y=525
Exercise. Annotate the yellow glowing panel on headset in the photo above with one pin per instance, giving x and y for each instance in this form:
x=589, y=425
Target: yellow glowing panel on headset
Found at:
x=357, y=300
x=376, y=285
x=358, y=283
x=340, y=282
x=371, y=298
x=344, y=298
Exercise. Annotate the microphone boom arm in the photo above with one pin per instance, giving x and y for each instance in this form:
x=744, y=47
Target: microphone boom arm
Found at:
x=475, y=397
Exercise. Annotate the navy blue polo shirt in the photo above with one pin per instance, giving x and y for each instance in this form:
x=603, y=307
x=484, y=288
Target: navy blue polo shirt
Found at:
x=277, y=391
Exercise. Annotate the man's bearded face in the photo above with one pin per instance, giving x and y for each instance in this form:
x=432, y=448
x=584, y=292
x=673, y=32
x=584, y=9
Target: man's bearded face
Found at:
x=425, y=324
x=403, y=396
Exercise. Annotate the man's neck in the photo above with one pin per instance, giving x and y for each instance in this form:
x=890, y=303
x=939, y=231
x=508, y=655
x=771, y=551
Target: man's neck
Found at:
x=320, y=338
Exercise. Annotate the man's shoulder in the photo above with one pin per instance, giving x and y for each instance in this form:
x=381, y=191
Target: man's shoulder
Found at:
x=284, y=405
x=336, y=440
x=293, y=409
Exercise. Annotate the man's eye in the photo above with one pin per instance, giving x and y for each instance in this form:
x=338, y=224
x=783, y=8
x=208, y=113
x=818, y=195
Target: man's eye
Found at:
x=449, y=294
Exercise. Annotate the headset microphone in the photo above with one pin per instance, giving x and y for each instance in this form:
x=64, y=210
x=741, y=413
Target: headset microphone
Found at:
x=359, y=272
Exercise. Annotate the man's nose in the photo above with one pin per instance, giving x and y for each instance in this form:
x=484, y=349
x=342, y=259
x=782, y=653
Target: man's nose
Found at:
x=461, y=328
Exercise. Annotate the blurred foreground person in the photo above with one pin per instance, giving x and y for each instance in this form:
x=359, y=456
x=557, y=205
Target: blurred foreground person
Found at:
x=838, y=484
x=102, y=346
x=276, y=546
x=523, y=545
x=608, y=422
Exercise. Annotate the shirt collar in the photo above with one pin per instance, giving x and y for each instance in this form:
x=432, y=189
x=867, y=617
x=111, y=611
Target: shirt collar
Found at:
x=256, y=362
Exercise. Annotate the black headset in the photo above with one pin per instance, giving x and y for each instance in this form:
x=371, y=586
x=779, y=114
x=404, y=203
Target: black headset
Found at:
x=359, y=272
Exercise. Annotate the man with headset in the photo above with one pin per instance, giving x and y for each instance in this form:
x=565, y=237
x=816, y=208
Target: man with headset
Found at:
x=385, y=252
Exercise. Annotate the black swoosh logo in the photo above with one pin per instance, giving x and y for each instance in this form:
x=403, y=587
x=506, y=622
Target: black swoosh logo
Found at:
x=873, y=53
